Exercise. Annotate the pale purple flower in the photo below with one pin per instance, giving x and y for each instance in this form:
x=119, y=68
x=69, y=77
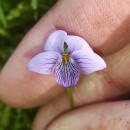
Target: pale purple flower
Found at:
x=66, y=56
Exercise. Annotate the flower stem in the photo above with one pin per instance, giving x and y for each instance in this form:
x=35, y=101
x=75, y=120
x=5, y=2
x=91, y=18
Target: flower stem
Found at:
x=70, y=98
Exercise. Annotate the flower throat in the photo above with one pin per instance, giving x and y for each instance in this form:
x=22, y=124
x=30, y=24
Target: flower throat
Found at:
x=65, y=56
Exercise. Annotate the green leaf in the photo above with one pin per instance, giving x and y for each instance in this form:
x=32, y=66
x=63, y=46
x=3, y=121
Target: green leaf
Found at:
x=34, y=4
x=6, y=115
x=2, y=17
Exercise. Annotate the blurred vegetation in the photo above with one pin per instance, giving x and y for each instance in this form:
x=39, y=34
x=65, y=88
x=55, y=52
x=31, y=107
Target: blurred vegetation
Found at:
x=16, y=18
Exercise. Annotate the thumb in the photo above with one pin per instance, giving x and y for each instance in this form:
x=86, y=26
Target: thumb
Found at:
x=104, y=116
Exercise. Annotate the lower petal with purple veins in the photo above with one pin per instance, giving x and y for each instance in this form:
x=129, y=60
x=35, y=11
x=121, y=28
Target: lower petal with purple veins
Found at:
x=67, y=74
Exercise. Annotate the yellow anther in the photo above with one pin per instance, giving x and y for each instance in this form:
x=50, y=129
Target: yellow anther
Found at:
x=65, y=58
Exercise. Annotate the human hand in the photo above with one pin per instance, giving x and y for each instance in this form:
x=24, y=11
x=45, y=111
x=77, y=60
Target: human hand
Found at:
x=105, y=25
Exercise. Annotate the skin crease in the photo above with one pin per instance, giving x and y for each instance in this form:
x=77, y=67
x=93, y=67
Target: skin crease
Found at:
x=105, y=25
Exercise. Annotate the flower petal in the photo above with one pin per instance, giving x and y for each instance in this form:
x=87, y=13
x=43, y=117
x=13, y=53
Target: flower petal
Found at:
x=44, y=62
x=77, y=43
x=67, y=74
x=55, y=41
x=88, y=62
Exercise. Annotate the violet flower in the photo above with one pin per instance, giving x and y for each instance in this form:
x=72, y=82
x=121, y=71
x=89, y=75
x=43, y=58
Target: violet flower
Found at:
x=66, y=56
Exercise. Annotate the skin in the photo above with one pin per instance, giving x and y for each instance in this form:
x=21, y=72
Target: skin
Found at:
x=100, y=98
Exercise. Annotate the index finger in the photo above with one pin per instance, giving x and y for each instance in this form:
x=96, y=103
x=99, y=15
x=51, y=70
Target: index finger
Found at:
x=97, y=22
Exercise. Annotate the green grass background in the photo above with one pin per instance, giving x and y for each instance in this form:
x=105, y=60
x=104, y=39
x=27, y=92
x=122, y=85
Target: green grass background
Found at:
x=16, y=18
